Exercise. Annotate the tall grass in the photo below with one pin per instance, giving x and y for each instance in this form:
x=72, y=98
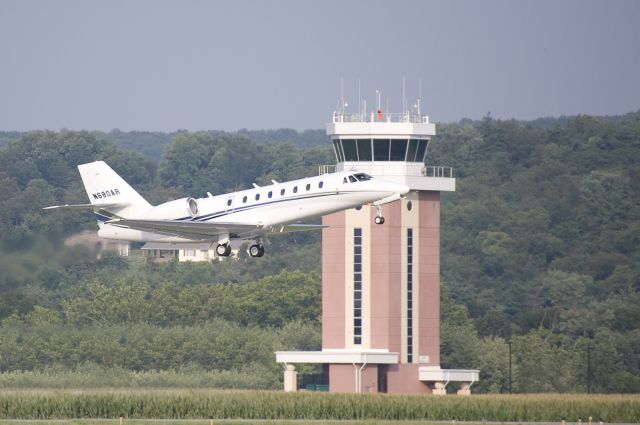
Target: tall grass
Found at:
x=93, y=376
x=187, y=404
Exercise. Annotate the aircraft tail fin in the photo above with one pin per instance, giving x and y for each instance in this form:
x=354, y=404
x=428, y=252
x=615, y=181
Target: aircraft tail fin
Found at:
x=109, y=192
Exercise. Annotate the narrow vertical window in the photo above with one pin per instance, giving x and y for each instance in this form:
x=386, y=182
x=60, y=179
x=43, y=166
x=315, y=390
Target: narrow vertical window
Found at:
x=409, y=295
x=357, y=286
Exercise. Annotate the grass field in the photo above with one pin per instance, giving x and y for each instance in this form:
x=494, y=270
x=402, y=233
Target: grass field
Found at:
x=277, y=405
x=207, y=422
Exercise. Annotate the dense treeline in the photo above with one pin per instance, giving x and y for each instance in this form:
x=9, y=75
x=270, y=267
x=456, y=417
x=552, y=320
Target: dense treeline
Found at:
x=152, y=144
x=540, y=250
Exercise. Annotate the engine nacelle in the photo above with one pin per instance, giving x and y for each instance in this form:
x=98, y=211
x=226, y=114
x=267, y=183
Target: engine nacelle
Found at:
x=192, y=207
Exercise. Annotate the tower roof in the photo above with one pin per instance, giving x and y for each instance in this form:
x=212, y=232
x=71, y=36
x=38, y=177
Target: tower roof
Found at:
x=380, y=124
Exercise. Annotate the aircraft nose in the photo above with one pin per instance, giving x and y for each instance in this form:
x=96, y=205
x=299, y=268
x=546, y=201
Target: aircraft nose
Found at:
x=399, y=188
x=393, y=188
x=404, y=189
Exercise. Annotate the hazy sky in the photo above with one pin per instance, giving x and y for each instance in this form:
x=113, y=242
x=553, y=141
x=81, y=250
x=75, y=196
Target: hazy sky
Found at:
x=168, y=65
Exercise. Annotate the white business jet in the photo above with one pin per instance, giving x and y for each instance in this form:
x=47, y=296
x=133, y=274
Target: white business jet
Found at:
x=248, y=214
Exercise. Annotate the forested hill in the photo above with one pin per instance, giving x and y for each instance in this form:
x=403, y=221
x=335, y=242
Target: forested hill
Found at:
x=540, y=248
x=152, y=144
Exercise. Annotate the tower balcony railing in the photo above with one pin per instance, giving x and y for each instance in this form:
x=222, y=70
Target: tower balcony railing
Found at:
x=326, y=169
x=381, y=117
x=436, y=171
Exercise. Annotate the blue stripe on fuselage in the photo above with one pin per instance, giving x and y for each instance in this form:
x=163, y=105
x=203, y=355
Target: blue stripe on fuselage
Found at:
x=249, y=207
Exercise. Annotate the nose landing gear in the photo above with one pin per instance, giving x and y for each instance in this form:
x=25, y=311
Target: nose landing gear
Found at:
x=379, y=218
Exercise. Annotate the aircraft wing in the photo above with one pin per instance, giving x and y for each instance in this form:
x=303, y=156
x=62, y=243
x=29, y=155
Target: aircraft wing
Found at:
x=197, y=230
x=296, y=227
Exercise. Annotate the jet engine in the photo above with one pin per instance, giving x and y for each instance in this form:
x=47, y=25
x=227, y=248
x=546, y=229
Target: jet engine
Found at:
x=192, y=207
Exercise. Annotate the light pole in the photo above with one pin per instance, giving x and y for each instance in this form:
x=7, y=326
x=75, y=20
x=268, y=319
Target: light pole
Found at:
x=589, y=389
x=510, y=392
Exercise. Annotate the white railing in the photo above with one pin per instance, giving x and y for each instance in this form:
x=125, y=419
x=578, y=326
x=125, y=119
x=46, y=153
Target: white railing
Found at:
x=326, y=169
x=387, y=168
x=408, y=117
x=438, y=171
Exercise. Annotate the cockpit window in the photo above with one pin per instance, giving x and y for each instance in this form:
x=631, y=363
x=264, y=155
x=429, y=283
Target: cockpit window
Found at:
x=362, y=177
x=352, y=179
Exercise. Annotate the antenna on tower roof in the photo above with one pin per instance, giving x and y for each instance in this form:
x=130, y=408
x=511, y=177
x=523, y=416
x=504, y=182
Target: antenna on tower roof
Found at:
x=420, y=96
x=359, y=99
x=342, y=105
x=404, y=101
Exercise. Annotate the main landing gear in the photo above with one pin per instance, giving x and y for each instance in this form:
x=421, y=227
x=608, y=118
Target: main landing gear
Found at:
x=223, y=249
x=256, y=250
x=379, y=218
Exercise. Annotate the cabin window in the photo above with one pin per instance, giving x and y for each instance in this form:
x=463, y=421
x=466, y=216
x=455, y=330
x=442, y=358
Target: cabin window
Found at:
x=320, y=185
x=364, y=149
x=281, y=192
x=257, y=196
x=398, y=150
x=229, y=202
x=295, y=189
x=270, y=194
x=308, y=186
x=244, y=199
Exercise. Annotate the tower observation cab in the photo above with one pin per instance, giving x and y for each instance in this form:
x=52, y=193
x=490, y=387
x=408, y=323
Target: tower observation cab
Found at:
x=393, y=146
x=381, y=278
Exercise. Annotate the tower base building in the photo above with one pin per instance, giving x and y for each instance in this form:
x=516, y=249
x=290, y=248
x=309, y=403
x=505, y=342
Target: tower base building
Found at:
x=381, y=277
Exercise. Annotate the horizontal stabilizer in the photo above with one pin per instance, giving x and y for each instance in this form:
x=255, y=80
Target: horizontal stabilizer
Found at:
x=87, y=206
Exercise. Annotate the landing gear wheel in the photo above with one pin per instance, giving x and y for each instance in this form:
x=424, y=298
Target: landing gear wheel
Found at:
x=256, y=250
x=223, y=250
x=379, y=218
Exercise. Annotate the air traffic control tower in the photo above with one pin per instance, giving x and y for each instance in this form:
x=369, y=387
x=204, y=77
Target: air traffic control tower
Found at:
x=381, y=278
